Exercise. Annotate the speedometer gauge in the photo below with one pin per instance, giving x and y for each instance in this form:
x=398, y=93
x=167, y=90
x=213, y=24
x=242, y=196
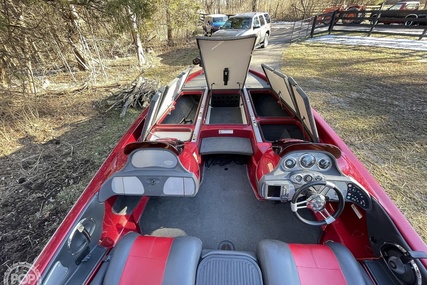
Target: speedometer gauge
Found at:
x=307, y=160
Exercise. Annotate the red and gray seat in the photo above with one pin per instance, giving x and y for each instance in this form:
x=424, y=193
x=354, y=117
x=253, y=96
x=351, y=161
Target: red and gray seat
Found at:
x=150, y=260
x=304, y=264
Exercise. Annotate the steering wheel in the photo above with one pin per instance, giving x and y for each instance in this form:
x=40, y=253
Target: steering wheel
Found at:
x=316, y=200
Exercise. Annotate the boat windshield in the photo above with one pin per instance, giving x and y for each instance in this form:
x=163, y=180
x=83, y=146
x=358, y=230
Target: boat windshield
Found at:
x=238, y=23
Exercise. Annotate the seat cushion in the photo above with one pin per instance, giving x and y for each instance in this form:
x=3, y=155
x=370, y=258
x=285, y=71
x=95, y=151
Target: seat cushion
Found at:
x=305, y=264
x=153, y=260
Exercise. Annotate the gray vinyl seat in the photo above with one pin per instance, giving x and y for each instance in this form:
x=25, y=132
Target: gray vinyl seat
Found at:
x=309, y=264
x=138, y=259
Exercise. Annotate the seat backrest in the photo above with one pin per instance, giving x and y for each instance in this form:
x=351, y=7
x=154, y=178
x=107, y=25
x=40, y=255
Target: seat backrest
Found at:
x=303, y=264
x=151, y=172
x=151, y=260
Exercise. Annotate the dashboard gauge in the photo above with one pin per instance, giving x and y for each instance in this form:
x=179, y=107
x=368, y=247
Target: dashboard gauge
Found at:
x=324, y=163
x=318, y=178
x=308, y=178
x=290, y=163
x=307, y=160
x=298, y=178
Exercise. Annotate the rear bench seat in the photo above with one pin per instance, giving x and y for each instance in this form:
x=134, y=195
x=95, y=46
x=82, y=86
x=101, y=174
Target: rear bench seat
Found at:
x=151, y=260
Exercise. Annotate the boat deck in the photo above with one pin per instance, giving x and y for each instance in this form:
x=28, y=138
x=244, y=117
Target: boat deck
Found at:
x=225, y=208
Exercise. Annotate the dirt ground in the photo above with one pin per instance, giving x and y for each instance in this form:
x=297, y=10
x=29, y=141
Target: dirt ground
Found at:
x=41, y=180
x=48, y=154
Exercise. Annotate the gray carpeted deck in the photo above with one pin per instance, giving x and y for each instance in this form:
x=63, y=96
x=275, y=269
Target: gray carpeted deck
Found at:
x=225, y=115
x=225, y=209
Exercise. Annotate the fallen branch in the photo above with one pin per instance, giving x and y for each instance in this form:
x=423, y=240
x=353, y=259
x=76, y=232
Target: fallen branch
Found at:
x=137, y=95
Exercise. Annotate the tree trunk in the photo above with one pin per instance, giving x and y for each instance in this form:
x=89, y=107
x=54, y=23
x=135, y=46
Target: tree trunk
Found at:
x=136, y=38
x=81, y=62
x=3, y=77
x=26, y=52
x=169, y=27
x=254, y=5
x=80, y=58
x=37, y=55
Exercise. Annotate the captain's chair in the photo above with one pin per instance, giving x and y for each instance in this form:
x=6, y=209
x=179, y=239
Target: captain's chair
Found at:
x=306, y=264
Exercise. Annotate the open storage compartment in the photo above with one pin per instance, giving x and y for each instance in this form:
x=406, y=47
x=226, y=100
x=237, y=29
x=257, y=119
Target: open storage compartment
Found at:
x=184, y=111
x=265, y=105
x=182, y=134
x=226, y=108
x=276, y=130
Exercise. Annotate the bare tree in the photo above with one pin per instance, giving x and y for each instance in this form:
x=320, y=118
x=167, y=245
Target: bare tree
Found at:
x=136, y=38
x=255, y=5
x=74, y=29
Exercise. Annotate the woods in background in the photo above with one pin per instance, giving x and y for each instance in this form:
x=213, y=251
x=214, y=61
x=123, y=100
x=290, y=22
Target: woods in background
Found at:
x=40, y=37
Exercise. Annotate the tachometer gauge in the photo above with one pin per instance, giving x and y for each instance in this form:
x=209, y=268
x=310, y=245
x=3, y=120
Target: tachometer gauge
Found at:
x=307, y=160
x=324, y=163
x=289, y=163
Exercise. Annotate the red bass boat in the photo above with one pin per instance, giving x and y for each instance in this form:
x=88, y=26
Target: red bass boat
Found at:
x=230, y=177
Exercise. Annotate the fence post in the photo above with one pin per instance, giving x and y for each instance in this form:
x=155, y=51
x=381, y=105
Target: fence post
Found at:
x=423, y=34
x=374, y=23
x=292, y=35
x=313, y=26
x=332, y=23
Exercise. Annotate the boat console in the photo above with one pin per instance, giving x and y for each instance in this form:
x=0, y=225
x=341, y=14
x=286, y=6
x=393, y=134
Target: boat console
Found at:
x=297, y=168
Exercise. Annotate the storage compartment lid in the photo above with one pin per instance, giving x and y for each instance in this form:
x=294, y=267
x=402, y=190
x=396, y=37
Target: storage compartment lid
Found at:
x=225, y=61
x=294, y=97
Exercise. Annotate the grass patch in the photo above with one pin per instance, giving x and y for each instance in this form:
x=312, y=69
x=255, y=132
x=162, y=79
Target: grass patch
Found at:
x=375, y=99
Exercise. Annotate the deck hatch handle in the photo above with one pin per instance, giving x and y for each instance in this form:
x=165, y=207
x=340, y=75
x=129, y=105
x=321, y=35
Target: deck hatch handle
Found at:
x=225, y=75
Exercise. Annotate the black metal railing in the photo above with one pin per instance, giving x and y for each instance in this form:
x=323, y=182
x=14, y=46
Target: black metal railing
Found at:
x=366, y=21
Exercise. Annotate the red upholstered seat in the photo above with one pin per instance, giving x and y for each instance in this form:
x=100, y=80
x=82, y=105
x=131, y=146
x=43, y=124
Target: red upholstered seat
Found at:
x=306, y=264
x=150, y=260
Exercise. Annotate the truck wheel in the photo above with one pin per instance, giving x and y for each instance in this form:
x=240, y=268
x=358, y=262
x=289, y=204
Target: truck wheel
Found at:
x=409, y=22
x=265, y=42
x=374, y=19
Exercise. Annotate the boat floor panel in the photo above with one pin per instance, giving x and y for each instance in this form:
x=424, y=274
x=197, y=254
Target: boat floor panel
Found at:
x=225, y=115
x=225, y=208
x=238, y=269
